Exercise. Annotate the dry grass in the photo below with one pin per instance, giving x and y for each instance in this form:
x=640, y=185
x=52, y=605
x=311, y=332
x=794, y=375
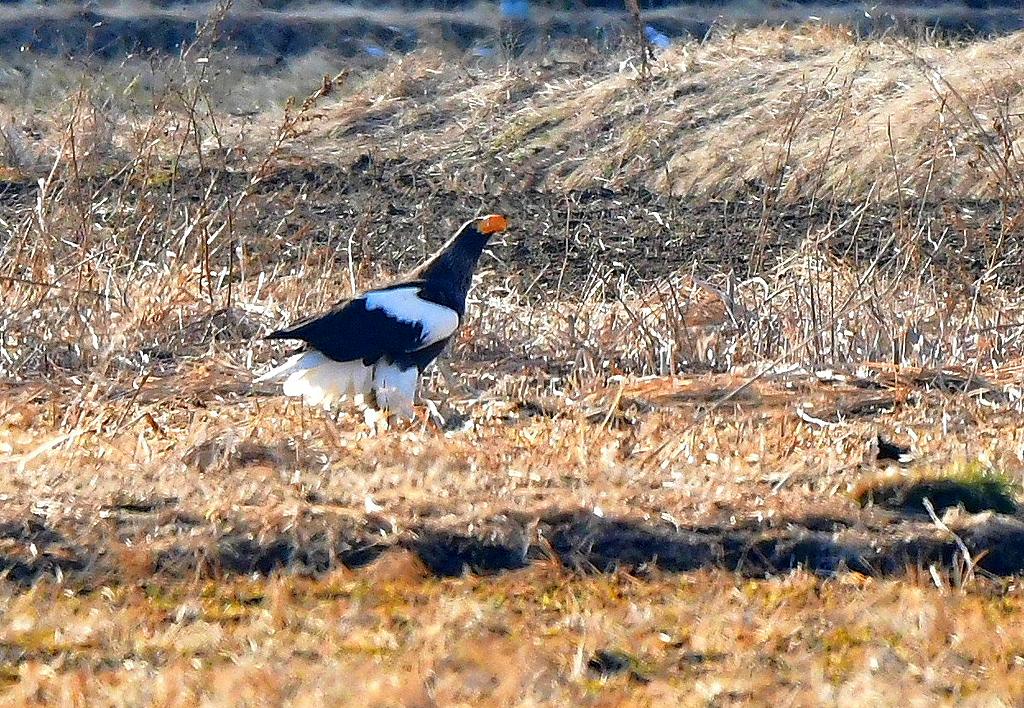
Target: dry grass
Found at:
x=518, y=639
x=810, y=112
x=659, y=455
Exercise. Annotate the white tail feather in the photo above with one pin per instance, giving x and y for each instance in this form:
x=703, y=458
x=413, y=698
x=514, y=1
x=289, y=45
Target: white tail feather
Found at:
x=328, y=382
x=320, y=381
x=299, y=362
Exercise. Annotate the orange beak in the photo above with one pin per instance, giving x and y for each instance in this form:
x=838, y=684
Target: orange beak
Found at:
x=492, y=224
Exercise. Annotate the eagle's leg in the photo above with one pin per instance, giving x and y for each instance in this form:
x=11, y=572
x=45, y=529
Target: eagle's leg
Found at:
x=394, y=389
x=376, y=416
x=433, y=414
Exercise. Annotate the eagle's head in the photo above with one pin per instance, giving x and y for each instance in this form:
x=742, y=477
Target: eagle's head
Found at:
x=484, y=227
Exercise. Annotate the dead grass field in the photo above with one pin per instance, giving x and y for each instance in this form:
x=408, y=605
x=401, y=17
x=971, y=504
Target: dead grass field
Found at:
x=658, y=482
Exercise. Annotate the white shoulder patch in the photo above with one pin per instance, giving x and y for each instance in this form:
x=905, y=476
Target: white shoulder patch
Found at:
x=406, y=305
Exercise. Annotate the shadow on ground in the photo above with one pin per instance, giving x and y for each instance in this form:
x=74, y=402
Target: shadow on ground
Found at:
x=577, y=540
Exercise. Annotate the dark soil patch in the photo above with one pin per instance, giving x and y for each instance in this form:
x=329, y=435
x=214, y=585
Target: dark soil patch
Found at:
x=453, y=555
x=559, y=242
x=567, y=238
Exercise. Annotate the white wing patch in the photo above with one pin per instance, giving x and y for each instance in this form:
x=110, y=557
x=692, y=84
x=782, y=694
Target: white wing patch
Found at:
x=406, y=305
x=395, y=388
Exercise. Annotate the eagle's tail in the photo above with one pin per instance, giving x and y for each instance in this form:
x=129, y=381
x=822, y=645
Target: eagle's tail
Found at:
x=297, y=362
x=318, y=380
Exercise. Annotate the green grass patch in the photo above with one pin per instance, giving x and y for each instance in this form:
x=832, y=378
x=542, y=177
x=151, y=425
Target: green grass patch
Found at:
x=972, y=486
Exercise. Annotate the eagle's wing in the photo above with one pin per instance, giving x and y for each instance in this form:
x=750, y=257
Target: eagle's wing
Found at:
x=395, y=320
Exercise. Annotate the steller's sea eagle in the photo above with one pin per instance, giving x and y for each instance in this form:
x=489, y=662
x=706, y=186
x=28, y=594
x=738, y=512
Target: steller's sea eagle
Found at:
x=380, y=341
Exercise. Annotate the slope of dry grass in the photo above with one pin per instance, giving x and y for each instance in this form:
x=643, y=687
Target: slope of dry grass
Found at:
x=797, y=113
x=811, y=112
x=651, y=485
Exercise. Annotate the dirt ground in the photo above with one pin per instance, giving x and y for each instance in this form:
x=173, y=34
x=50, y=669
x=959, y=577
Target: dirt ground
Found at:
x=637, y=235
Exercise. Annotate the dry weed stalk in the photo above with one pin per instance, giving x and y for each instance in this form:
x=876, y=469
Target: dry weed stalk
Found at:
x=643, y=46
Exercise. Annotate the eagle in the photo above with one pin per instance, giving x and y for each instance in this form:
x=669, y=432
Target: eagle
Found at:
x=377, y=344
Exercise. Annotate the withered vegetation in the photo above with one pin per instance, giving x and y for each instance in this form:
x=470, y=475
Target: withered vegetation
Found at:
x=656, y=481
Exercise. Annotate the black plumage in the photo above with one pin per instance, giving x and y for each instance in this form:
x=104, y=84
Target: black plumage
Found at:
x=379, y=334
